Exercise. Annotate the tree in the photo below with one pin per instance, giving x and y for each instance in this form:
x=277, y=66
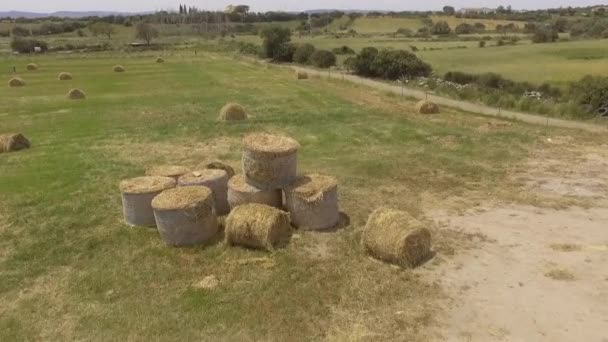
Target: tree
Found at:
x=449, y=10
x=102, y=27
x=465, y=28
x=19, y=31
x=323, y=59
x=275, y=42
x=441, y=28
x=303, y=53
x=145, y=31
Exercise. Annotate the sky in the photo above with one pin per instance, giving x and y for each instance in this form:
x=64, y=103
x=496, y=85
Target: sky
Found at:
x=267, y=5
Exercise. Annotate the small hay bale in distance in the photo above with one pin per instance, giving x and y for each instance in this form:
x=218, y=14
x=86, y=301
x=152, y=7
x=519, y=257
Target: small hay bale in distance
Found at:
x=185, y=216
x=137, y=195
x=302, y=75
x=119, y=68
x=233, y=112
x=396, y=237
x=173, y=171
x=11, y=142
x=270, y=161
x=32, y=67
x=76, y=94
x=65, y=76
x=16, y=82
x=427, y=107
x=240, y=193
x=216, y=180
x=160, y=60
x=312, y=202
x=217, y=165
x=258, y=226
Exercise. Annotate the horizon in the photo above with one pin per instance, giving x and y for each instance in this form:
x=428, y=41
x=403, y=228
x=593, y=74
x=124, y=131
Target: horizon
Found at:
x=266, y=5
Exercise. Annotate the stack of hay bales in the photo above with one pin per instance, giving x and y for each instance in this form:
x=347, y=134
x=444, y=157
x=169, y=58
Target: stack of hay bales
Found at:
x=270, y=161
x=16, y=82
x=239, y=193
x=233, y=112
x=396, y=237
x=216, y=180
x=313, y=202
x=65, y=76
x=173, y=171
x=12, y=142
x=185, y=216
x=32, y=67
x=119, y=68
x=427, y=107
x=137, y=196
x=76, y=94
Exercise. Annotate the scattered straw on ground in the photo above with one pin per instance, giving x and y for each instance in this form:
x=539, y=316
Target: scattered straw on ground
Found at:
x=173, y=171
x=233, y=112
x=144, y=185
x=560, y=274
x=258, y=226
x=427, y=107
x=184, y=198
x=270, y=144
x=566, y=247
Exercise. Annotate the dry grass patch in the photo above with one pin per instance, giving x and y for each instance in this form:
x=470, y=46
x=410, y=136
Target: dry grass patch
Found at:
x=560, y=274
x=566, y=247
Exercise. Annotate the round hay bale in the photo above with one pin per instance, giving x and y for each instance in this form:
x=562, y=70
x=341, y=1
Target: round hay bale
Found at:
x=160, y=60
x=270, y=161
x=216, y=180
x=240, y=193
x=119, y=68
x=427, y=107
x=185, y=216
x=32, y=67
x=65, y=76
x=76, y=94
x=258, y=226
x=137, y=196
x=233, y=112
x=217, y=165
x=312, y=202
x=16, y=82
x=12, y=142
x=396, y=237
x=173, y=171
x=301, y=75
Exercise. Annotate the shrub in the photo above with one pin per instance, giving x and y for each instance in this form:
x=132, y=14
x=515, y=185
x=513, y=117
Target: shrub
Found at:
x=465, y=28
x=545, y=35
x=394, y=64
x=460, y=77
x=6, y=33
x=250, y=49
x=27, y=45
x=303, y=53
x=344, y=50
x=591, y=91
x=350, y=63
x=482, y=43
x=441, y=28
x=276, y=42
x=362, y=65
x=405, y=32
x=19, y=31
x=323, y=59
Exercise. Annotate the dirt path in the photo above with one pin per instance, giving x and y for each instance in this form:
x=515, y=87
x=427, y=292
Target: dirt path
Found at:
x=543, y=275
x=462, y=105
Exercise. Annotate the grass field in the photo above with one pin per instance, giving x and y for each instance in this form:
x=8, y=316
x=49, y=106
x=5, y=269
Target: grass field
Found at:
x=71, y=270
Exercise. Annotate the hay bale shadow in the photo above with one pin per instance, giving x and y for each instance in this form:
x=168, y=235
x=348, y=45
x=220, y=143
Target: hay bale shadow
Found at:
x=343, y=223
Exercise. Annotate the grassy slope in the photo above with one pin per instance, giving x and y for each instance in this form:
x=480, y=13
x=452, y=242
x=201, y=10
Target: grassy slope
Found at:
x=70, y=269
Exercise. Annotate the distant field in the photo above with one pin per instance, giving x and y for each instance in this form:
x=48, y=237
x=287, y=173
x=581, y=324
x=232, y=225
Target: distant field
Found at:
x=490, y=24
x=385, y=24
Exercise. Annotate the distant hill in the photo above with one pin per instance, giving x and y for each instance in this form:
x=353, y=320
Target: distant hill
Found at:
x=64, y=14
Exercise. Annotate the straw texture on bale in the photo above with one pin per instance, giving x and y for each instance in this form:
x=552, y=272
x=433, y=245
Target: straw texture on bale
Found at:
x=11, y=142
x=16, y=82
x=396, y=237
x=240, y=193
x=258, y=226
x=301, y=75
x=76, y=94
x=65, y=76
x=160, y=60
x=185, y=216
x=270, y=161
x=119, y=68
x=216, y=180
x=137, y=196
x=217, y=165
x=233, y=112
x=312, y=202
x=173, y=171
x=427, y=107
x=32, y=66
